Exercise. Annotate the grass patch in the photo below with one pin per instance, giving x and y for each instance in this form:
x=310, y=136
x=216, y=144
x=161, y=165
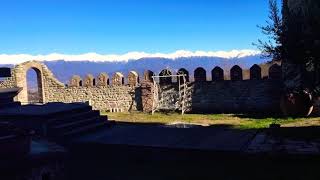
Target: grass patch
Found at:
x=232, y=120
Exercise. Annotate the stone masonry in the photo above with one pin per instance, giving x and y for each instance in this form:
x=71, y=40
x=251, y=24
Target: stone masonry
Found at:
x=237, y=95
x=51, y=90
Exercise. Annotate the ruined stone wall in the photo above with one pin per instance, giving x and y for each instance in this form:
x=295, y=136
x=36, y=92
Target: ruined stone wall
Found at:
x=117, y=97
x=8, y=82
x=110, y=98
x=260, y=94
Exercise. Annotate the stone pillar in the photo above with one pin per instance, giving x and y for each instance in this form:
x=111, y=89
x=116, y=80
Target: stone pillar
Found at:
x=217, y=74
x=148, y=75
x=255, y=72
x=118, y=79
x=236, y=73
x=89, y=81
x=133, y=78
x=147, y=96
x=103, y=80
x=75, y=81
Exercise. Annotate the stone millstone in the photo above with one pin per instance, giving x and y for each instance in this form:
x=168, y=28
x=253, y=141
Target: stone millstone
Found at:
x=296, y=104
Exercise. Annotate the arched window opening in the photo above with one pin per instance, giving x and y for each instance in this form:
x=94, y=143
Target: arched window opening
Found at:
x=34, y=86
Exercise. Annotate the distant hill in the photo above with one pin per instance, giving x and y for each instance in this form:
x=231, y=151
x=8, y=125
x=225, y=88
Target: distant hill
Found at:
x=63, y=70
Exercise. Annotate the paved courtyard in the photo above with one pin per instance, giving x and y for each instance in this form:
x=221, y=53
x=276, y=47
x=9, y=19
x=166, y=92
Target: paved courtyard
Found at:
x=212, y=138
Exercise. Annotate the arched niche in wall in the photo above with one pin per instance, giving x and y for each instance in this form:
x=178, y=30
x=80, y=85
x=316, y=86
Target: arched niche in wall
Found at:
x=255, y=72
x=89, y=81
x=217, y=74
x=133, y=78
x=118, y=79
x=236, y=73
x=75, y=81
x=200, y=75
x=165, y=80
x=275, y=72
x=103, y=79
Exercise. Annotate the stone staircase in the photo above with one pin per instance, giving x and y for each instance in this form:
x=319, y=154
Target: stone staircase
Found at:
x=7, y=97
x=75, y=123
x=56, y=121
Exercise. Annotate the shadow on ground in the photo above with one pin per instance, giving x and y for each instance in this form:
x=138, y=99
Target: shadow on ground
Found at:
x=122, y=162
x=296, y=133
x=94, y=160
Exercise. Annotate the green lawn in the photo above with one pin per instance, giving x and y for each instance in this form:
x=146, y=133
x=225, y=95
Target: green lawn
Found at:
x=233, y=120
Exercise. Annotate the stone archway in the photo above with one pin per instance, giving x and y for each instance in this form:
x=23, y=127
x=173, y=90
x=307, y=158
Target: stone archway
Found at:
x=21, y=80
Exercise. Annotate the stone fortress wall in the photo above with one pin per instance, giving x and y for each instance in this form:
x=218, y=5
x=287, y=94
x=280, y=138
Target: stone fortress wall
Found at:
x=256, y=94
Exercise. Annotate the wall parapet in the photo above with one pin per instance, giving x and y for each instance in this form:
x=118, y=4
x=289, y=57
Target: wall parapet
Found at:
x=117, y=94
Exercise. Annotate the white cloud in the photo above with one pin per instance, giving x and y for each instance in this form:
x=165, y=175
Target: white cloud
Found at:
x=19, y=58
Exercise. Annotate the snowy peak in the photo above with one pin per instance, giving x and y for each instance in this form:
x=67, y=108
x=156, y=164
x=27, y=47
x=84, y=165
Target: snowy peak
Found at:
x=95, y=57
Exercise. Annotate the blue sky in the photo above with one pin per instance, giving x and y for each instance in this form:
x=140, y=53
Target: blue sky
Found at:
x=121, y=26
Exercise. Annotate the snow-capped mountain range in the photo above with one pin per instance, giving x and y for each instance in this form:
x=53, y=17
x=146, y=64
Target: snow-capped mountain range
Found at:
x=93, y=63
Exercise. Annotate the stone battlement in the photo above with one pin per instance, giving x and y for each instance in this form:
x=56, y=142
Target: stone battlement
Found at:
x=236, y=73
x=223, y=91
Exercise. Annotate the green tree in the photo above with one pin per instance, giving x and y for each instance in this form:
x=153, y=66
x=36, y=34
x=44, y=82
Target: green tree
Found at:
x=294, y=37
x=273, y=47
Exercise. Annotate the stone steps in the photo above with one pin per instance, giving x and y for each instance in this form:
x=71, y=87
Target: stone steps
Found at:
x=55, y=120
x=66, y=114
x=71, y=117
x=84, y=129
x=9, y=105
x=74, y=124
x=40, y=114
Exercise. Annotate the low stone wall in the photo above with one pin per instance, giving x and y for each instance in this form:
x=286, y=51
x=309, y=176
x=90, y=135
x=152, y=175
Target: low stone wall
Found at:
x=110, y=98
x=7, y=83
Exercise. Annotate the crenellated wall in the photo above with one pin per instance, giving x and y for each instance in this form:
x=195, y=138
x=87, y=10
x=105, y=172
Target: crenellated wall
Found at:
x=259, y=93
x=111, y=98
x=101, y=96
